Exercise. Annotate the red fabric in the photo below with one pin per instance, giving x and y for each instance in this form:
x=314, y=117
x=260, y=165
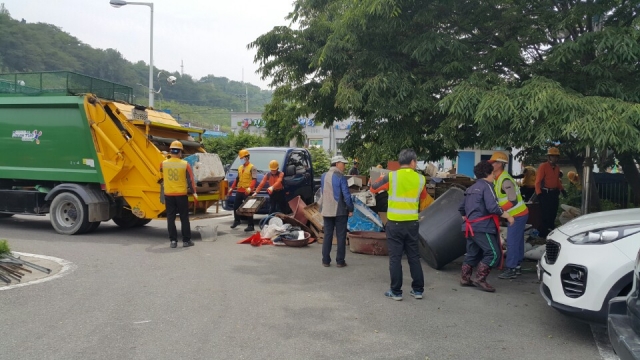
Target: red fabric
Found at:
x=256, y=240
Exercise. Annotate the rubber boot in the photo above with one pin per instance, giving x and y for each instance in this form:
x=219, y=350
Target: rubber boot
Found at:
x=465, y=277
x=481, y=278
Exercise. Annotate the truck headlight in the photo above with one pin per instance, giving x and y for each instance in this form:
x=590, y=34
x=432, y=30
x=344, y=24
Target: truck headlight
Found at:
x=604, y=236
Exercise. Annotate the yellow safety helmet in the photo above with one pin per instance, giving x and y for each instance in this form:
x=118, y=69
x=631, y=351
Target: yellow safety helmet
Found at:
x=273, y=165
x=243, y=153
x=554, y=151
x=499, y=156
x=176, y=145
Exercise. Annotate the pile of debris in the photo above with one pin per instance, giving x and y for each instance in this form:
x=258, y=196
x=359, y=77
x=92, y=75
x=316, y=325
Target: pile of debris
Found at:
x=13, y=268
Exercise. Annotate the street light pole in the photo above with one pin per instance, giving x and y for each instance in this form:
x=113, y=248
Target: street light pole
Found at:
x=119, y=3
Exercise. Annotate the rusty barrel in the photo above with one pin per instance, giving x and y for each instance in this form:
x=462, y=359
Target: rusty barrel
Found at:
x=441, y=237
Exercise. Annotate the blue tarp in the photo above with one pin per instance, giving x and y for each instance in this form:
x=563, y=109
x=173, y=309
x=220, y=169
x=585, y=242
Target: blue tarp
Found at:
x=363, y=219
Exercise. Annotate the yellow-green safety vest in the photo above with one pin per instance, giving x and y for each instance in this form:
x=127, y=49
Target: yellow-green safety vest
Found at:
x=520, y=206
x=405, y=186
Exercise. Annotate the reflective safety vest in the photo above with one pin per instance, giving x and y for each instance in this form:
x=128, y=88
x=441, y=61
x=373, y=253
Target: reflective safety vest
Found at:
x=244, y=176
x=520, y=206
x=405, y=186
x=174, y=172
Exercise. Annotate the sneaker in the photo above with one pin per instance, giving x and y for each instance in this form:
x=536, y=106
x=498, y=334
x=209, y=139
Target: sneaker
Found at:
x=249, y=228
x=174, y=244
x=235, y=224
x=416, y=294
x=187, y=243
x=518, y=270
x=508, y=274
x=393, y=296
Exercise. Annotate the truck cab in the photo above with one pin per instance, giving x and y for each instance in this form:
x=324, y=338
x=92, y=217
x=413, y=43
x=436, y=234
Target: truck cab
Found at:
x=296, y=165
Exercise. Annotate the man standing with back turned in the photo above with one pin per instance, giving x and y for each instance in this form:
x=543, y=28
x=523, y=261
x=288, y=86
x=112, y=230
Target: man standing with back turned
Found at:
x=407, y=195
x=178, y=181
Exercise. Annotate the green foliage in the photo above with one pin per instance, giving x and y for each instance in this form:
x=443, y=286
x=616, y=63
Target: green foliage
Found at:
x=228, y=147
x=320, y=159
x=4, y=247
x=202, y=116
x=43, y=47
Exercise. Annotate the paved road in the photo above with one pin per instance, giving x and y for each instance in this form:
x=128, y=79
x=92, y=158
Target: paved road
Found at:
x=132, y=297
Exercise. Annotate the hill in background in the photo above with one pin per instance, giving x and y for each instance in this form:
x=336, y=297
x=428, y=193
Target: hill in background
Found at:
x=206, y=102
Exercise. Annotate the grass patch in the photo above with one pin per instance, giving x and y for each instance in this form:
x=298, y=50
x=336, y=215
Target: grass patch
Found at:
x=4, y=247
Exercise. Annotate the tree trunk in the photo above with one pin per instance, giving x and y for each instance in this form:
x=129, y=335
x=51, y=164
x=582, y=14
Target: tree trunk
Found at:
x=631, y=174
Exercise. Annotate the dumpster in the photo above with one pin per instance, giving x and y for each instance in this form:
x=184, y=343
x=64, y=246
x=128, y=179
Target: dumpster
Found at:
x=441, y=238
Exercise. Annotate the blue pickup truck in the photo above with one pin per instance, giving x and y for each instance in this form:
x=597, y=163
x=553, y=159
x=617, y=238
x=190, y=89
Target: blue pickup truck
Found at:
x=296, y=165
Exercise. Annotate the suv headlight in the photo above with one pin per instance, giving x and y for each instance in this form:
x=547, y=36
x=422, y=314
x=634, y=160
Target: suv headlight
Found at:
x=604, y=236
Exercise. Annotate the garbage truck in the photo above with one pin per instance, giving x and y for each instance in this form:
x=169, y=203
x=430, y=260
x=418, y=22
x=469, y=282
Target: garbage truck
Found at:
x=76, y=148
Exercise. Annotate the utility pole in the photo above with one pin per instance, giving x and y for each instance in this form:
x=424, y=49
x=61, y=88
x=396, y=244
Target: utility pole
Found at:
x=181, y=68
x=246, y=94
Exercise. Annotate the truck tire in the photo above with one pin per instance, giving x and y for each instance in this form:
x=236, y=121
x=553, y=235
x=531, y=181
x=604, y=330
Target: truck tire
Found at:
x=68, y=214
x=93, y=226
x=126, y=220
x=142, y=222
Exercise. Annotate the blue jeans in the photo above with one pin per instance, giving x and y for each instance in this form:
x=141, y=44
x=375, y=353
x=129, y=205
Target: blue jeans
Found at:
x=515, y=241
x=339, y=223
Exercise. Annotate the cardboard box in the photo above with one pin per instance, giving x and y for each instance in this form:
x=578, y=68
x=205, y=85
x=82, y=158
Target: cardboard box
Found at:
x=354, y=181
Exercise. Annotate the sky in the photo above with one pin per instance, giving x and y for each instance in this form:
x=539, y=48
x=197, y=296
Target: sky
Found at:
x=209, y=36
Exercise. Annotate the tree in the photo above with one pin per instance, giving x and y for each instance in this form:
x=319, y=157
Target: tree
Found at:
x=320, y=160
x=442, y=75
x=228, y=147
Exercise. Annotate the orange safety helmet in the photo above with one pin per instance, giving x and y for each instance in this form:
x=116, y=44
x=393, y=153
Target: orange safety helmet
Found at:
x=243, y=153
x=273, y=165
x=176, y=145
x=499, y=156
x=573, y=176
x=554, y=151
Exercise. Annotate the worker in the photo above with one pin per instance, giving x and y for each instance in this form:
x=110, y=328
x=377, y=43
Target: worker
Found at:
x=381, y=195
x=244, y=183
x=574, y=180
x=528, y=182
x=275, y=190
x=178, y=182
x=336, y=208
x=407, y=197
x=354, y=169
x=480, y=212
x=548, y=189
x=510, y=200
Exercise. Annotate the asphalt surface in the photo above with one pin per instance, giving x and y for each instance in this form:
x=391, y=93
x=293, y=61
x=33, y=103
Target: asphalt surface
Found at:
x=132, y=297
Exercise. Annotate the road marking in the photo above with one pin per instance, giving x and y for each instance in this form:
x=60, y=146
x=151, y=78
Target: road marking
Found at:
x=67, y=268
x=142, y=322
x=603, y=344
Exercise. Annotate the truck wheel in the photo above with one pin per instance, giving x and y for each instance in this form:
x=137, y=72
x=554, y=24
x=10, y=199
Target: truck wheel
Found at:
x=5, y=215
x=93, y=226
x=126, y=220
x=69, y=215
x=142, y=222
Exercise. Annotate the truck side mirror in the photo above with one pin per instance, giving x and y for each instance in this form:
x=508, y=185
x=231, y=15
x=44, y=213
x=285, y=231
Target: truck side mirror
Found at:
x=290, y=171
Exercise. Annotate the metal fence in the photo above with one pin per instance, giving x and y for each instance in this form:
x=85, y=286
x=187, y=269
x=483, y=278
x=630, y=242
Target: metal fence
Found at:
x=614, y=187
x=62, y=83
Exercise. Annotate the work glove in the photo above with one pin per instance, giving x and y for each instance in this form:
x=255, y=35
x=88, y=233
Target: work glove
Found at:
x=248, y=191
x=270, y=189
x=564, y=193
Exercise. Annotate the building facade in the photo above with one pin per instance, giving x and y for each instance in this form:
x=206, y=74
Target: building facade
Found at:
x=317, y=135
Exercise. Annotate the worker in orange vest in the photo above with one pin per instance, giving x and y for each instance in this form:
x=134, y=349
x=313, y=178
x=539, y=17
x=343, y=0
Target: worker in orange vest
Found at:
x=275, y=190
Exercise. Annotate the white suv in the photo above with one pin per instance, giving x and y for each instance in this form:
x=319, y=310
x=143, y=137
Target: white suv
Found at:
x=589, y=261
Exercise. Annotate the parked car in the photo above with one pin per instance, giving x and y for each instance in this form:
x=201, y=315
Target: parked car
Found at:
x=589, y=261
x=624, y=320
x=294, y=162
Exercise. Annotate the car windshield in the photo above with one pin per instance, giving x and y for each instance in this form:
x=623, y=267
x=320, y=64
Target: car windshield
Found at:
x=260, y=159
